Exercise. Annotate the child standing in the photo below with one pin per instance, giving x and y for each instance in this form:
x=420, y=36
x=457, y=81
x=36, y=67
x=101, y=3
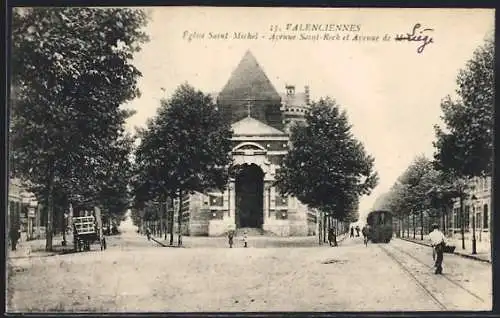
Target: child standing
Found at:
x=230, y=236
x=245, y=239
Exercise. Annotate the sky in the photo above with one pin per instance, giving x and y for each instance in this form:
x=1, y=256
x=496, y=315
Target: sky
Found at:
x=390, y=91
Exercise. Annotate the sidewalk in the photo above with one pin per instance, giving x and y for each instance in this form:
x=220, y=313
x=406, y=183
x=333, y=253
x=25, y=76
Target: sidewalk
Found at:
x=483, y=248
x=36, y=248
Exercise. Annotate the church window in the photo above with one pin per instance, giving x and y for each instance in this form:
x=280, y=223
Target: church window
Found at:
x=281, y=200
x=282, y=215
x=217, y=215
x=216, y=200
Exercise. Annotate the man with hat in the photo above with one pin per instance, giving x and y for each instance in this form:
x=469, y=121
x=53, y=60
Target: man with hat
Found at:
x=438, y=243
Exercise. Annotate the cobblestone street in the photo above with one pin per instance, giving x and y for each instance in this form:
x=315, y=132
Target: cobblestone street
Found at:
x=136, y=275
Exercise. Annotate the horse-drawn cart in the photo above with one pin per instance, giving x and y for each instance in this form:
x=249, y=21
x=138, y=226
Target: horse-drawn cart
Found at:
x=87, y=232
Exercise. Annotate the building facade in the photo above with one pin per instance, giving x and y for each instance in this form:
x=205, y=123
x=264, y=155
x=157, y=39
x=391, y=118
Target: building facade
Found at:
x=476, y=211
x=260, y=119
x=22, y=211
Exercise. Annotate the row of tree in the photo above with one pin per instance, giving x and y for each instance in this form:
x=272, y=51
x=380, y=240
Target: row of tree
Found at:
x=71, y=72
x=463, y=148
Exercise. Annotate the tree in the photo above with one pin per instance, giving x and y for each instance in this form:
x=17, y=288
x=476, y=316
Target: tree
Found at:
x=113, y=179
x=464, y=147
x=65, y=118
x=417, y=180
x=185, y=148
x=326, y=167
x=466, y=143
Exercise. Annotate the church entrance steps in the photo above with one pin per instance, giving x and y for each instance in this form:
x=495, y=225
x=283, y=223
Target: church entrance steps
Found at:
x=253, y=232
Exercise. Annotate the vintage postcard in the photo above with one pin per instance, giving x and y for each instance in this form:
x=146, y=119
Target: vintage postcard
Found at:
x=210, y=159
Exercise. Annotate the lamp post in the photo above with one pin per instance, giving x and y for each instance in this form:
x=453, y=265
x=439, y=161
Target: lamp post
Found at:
x=473, y=199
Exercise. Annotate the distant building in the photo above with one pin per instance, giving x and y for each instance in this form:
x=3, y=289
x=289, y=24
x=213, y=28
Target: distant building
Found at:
x=260, y=118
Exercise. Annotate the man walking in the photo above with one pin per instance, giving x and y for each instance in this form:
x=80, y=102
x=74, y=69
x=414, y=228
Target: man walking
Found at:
x=332, y=237
x=352, y=231
x=365, y=234
x=438, y=243
x=15, y=234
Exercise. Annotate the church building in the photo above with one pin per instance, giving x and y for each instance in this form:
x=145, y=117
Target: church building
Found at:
x=260, y=118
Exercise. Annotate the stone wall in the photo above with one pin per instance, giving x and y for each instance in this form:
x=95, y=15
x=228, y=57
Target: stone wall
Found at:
x=277, y=227
x=198, y=216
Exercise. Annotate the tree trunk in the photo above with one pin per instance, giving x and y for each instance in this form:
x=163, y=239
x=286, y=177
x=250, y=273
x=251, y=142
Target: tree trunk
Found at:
x=324, y=228
x=165, y=213
x=320, y=226
x=64, y=224
x=161, y=219
x=408, y=227
x=171, y=216
x=50, y=211
x=443, y=219
x=179, y=220
x=414, y=227
x=402, y=229
x=462, y=223
x=421, y=225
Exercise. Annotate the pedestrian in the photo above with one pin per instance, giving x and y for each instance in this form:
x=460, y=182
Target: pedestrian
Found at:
x=148, y=233
x=438, y=243
x=332, y=237
x=365, y=234
x=352, y=231
x=15, y=234
x=245, y=239
x=230, y=236
x=357, y=230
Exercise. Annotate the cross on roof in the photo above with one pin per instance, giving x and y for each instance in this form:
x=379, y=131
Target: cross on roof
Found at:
x=249, y=105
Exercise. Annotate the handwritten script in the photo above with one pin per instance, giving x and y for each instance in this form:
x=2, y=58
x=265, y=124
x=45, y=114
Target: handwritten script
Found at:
x=417, y=35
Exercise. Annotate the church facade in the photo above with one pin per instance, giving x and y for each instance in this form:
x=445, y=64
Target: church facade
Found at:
x=260, y=119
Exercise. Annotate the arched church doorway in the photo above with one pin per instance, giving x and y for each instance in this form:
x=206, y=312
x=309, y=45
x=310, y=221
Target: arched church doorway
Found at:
x=249, y=191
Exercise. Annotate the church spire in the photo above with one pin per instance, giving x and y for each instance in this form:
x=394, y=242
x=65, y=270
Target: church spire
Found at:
x=249, y=82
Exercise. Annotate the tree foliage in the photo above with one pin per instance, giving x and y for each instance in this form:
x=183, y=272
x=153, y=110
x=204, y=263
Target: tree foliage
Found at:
x=326, y=167
x=423, y=188
x=71, y=71
x=464, y=146
x=185, y=148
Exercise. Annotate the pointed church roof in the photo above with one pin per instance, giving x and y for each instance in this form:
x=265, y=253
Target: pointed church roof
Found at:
x=248, y=81
x=249, y=126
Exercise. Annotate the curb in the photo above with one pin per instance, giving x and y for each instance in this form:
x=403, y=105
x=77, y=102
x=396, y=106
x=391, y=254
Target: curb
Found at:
x=456, y=253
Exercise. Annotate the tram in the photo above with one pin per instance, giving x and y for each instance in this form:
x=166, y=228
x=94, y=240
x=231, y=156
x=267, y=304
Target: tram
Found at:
x=380, y=225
